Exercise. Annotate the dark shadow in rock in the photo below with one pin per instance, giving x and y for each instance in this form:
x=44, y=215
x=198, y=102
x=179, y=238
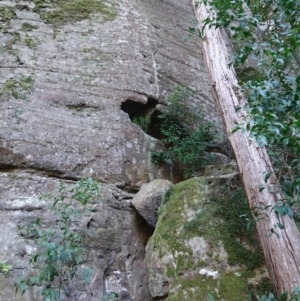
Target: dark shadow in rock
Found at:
x=149, y=110
x=133, y=108
x=124, y=295
x=144, y=230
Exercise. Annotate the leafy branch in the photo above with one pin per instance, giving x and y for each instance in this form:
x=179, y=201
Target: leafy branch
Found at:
x=60, y=250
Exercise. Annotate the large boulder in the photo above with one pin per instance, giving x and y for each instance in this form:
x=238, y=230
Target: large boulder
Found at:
x=201, y=245
x=149, y=198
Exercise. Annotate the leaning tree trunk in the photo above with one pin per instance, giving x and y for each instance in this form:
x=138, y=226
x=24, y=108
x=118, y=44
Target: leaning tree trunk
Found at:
x=282, y=254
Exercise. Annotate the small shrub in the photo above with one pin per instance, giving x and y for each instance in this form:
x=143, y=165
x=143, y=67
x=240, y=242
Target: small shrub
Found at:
x=187, y=133
x=60, y=248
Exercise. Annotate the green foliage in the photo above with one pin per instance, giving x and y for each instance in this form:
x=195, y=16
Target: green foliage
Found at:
x=295, y=296
x=17, y=88
x=5, y=268
x=59, y=12
x=269, y=35
x=60, y=248
x=143, y=121
x=187, y=134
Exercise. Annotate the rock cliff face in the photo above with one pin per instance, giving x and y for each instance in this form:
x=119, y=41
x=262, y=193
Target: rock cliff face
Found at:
x=72, y=75
x=63, y=86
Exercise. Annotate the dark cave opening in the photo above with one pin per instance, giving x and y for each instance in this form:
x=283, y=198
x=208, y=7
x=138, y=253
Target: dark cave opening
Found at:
x=149, y=110
x=133, y=108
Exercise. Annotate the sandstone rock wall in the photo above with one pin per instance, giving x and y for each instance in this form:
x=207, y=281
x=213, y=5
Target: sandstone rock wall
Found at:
x=64, y=78
x=63, y=86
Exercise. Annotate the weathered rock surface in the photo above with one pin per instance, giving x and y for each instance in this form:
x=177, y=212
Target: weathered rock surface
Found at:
x=62, y=90
x=149, y=198
x=115, y=238
x=63, y=86
x=193, y=252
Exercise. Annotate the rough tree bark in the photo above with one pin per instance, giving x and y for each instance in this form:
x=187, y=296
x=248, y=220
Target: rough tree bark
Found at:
x=282, y=254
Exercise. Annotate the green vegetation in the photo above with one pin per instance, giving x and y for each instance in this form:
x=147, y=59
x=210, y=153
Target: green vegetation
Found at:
x=266, y=34
x=60, y=12
x=4, y=268
x=110, y=297
x=232, y=287
x=229, y=204
x=31, y=42
x=28, y=27
x=16, y=37
x=234, y=224
x=269, y=34
x=142, y=121
x=60, y=250
x=6, y=14
x=17, y=88
x=220, y=224
x=295, y=296
x=187, y=133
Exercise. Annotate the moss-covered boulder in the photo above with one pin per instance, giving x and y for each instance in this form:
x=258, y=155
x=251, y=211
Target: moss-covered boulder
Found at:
x=201, y=244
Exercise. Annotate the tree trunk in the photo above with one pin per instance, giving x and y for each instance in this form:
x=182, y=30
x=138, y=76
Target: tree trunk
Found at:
x=282, y=254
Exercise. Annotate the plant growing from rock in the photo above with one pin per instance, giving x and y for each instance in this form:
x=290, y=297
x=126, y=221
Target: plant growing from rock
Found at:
x=4, y=268
x=187, y=133
x=60, y=250
x=142, y=121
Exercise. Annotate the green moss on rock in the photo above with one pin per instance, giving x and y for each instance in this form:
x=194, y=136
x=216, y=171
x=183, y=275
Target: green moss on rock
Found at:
x=28, y=27
x=229, y=287
x=70, y=11
x=31, y=41
x=6, y=14
x=18, y=88
x=201, y=243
